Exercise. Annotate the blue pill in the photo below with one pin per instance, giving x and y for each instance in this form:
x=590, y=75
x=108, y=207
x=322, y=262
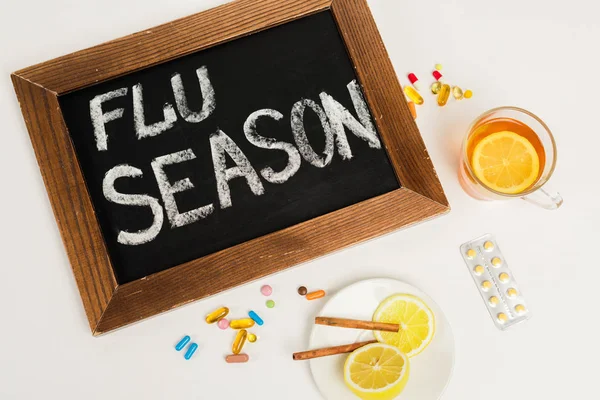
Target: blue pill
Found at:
x=255, y=317
x=191, y=350
x=184, y=340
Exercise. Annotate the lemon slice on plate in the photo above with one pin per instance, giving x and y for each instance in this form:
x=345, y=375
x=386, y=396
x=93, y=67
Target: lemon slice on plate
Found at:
x=416, y=320
x=376, y=372
x=506, y=162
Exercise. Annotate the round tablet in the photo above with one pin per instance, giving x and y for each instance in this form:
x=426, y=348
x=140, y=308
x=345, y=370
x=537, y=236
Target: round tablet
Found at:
x=511, y=292
x=252, y=337
x=478, y=270
x=496, y=262
x=486, y=285
x=493, y=301
x=223, y=323
x=266, y=290
x=270, y=303
x=502, y=318
x=520, y=308
x=302, y=290
x=471, y=253
x=504, y=277
x=489, y=246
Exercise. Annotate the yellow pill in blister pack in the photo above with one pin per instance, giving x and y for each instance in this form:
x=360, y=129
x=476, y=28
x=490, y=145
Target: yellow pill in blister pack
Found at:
x=239, y=341
x=217, y=315
x=489, y=246
x=504, y=277
x=496, y=262
x=502, y=318
x=511, y=292
x=241, y=323
x=486, y=285
x=478, y=270
x=413, y=95
x=520, y=308
x=443, y=95
x=471, y=253
x=493, y=300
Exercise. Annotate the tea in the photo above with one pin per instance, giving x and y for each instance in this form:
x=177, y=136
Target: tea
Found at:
x=505, y=155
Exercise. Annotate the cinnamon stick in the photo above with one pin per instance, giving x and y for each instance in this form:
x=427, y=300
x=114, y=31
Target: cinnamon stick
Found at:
x=356, y=324
x=329, y=351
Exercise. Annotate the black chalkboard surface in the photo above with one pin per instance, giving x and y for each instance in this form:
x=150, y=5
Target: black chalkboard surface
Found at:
x=221, y=146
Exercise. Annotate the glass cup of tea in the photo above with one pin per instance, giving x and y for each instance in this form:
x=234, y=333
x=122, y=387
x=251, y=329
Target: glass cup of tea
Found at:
x=509, y=153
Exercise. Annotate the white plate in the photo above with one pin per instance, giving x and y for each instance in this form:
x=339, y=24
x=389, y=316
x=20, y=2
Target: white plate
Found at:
x=430, y=370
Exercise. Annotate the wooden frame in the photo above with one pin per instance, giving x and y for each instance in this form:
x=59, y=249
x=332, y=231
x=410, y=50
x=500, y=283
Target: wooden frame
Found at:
x=108, y=305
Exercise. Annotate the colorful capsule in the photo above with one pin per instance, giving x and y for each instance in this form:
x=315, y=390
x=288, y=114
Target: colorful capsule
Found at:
x=413, y=109
x=255, y=317
x=240, y=340
x=184, y=340
x=437, y=75
x=270, y=304
x=302, y=290
x=443, y=95
x=252, y=337
x=457, y=93
x=241, y=323
x=223, y=323
x=413, y=95
x=266, y=290
x=315, y=295
x=436, y=87
x=237, y=358
x=216, y=315
x=414, y=81
x=190, y=351
x=468, y=94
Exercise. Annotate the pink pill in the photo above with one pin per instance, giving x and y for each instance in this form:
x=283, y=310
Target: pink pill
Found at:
x=266, y=290
x=223, y=323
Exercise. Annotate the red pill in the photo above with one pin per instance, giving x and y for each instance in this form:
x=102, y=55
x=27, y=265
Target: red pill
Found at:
x=414, y=81
x=437, y=75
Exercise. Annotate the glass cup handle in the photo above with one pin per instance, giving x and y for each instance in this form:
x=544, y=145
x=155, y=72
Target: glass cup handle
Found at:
x=544, y=199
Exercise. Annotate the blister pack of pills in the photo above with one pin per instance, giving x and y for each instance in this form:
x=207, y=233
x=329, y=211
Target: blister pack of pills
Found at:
x=495, y=281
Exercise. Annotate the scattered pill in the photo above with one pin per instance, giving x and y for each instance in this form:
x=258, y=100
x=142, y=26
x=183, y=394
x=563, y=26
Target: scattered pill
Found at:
x=437, y=75
x=471, y=253
x=223, y=323
x=413, y=109
x=511, y=292
x=493, y=301
x=457, y=93
x=496, y=262
x=489, y=246
x=315, y=295
x=478, y=270
x=504, y=277
x=468, y=94
x=436, y=87
x=190, y=351
x=270, y=304
x=486, y=285
x=302, y=290
x=217, y=315
x=237, y=358
x=255, y=317
x=414, y=81
x=252, y=337
x=239, y=341
x=184, y=340
x=413, y=95
x=266, y=290
x=241, y=323
x=438, y=67
x=502, y=318
x=520, y=308
x=443, y=95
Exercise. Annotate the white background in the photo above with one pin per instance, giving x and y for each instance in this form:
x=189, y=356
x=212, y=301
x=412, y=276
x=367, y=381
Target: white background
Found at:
x=541, y=55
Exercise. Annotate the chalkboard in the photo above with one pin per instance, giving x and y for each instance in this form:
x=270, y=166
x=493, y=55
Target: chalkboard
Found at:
x=245, y=138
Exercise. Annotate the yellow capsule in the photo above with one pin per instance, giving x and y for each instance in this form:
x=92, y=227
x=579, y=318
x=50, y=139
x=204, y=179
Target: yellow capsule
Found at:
x=457, y=93
x=502, y=318
x=241, y=323
x=240, y=340
x=504, y=277
x=252, y=337
x=471, y=253
x=486, y=285
x=493, y=301
x=443, y=95
x=511, y=292
x=468, y=94
x=520, y=308
x=496, y=262
x=478, y=270
x=489, y=246
x=217, y=315
x=435, y=87
x=413, y=95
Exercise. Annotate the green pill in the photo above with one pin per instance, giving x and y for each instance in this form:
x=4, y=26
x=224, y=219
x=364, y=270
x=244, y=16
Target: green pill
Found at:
x=270, y=303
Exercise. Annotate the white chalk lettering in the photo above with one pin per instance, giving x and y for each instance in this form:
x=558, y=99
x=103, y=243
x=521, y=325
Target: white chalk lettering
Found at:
x=339, y=117
x=167, y=190
x=141, y=200
x=220, y=144
x=100, y=118
x=299, y=131
x=208, y=97
x=262, y=142
x=141, y=129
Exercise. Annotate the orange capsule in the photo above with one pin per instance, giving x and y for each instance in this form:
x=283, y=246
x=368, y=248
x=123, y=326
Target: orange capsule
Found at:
x=315, y=295
x=413, y=109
